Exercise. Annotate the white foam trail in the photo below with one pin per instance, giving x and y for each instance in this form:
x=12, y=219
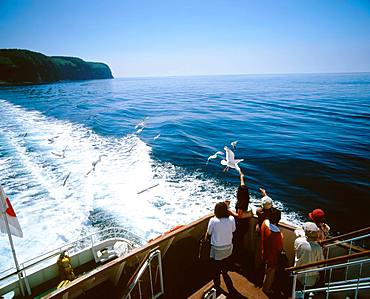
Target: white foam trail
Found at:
x=51, y=213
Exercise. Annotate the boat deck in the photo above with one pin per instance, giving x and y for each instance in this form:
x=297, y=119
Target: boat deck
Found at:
x=245, y=288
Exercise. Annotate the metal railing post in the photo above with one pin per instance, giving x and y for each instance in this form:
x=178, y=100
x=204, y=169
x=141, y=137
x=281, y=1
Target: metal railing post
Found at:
x=328, y=290
x=160, y=271
x=150, y=277
x=350, y=251
x=294, y=285
x=358, y=280
x=140, y=294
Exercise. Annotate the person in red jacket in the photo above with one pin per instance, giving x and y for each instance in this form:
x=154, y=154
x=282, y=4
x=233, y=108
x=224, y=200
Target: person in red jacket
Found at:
x=272, y=245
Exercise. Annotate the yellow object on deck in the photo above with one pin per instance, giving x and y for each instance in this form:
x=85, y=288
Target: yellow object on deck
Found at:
x=63, y=283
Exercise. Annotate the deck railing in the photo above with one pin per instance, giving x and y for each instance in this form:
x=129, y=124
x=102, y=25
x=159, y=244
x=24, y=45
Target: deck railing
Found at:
x=152, y=287
x=348, y=274
x=48, y=258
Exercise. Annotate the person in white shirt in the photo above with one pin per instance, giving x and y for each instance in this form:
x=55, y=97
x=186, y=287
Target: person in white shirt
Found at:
x=220, y=229
x=308, y=251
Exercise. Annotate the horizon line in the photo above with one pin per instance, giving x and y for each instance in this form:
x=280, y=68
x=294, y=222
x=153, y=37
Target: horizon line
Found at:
x=241, y=74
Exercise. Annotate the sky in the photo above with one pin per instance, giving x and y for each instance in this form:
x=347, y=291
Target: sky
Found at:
x=195, y=37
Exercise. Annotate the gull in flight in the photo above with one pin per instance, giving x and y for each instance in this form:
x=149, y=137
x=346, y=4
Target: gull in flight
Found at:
x=230, y=161
x=52, y=139
x=94, y=164
x=146, y=189
x=233, y=144
x=156, y=137
x=66, y=178
x=61, y=155
x=214, y=156
x=140, y=124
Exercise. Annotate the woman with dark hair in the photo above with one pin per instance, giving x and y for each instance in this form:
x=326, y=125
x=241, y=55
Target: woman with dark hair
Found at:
x=242, y=216
x=220, y=229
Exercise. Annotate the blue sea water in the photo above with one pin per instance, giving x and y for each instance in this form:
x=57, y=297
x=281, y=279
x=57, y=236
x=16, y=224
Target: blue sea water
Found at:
x=304, y=138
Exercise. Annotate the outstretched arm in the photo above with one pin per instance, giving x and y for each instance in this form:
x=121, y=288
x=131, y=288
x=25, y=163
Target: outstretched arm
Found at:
x=242, y=183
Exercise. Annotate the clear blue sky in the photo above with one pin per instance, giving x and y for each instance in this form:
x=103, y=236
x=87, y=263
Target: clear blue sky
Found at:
x=194, y=37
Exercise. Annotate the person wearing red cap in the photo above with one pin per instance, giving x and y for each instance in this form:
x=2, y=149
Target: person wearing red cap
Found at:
x=318, y=216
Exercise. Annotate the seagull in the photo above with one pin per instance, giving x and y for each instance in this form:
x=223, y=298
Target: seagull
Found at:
x=62, y=237
x=156, y=137
x=61, y=155
x=51, y=140
x=230, y=161
x=146, y=189
x=94, y=164
x=214, y=156
x=140, y=124
x=233, y=144
x=66, y=178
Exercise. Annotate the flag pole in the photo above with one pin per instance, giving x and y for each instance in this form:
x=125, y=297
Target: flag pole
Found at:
x=3, y=212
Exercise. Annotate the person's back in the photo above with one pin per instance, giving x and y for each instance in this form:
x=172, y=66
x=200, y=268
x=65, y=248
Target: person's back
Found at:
x=221, y=230
x=272, y=245
x=308, y=251
x=264, y=212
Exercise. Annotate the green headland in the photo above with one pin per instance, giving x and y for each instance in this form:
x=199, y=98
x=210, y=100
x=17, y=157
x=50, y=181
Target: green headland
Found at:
x=28, y=67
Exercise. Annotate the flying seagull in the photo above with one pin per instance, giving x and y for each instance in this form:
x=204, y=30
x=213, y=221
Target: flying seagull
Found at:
x=52, y=139
x=61, y=155
x=94, y=164
x=140, y=124
x=146, y=189
x=66, y=178
x=214, y=156
x=230, y=161
x=233, y=144
x=156, y=137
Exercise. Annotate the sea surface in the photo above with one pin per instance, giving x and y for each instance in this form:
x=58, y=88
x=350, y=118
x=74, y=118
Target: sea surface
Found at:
x=304, y=138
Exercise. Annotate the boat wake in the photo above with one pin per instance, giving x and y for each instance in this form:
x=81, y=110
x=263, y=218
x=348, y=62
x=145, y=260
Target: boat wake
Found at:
x=43, y=168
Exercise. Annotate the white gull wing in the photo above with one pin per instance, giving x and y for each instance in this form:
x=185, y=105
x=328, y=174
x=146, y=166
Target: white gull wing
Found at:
x=230, y=160
x=214, y=156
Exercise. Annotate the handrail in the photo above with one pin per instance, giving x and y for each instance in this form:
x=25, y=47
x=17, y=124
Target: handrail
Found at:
x=52, y=253
x=347, y=235
x=329, y=261
x=335, y=266
x=133, y=276
x=339, y=288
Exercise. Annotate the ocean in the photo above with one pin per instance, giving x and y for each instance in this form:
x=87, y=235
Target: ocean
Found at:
x=304, y=138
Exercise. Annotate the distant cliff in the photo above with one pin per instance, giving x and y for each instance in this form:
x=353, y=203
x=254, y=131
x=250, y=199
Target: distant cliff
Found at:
x=28, y=67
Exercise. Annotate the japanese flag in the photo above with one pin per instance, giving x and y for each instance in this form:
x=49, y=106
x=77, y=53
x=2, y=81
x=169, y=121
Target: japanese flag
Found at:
x=7, y=211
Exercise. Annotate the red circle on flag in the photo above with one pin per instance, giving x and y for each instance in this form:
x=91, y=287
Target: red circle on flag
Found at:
x=9, y=209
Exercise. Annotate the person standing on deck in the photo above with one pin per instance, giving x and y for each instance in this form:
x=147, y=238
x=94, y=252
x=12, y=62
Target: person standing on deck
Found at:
x=318, y=216
x=308, y=251
x=242, y=215
x=272, y=245
x=220, y=229
x=264, y=212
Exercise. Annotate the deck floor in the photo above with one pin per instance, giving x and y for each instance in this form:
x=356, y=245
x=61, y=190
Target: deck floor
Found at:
x=242, y=285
